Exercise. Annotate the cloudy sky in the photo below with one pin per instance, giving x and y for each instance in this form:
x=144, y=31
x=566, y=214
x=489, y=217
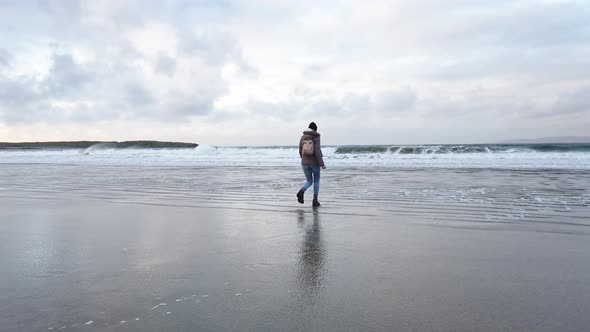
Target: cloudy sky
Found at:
x=257, y=72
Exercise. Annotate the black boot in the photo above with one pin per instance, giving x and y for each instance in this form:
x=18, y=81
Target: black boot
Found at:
x=315, y=202
x=300, y=196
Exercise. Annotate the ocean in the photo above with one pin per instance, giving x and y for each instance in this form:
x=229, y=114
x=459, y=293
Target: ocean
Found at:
x=506, y=156
x=107, y=237
x=538, y=186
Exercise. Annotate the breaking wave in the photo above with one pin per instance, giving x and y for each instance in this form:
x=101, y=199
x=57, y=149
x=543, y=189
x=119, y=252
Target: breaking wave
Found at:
x=449, y=149
x=537, y=156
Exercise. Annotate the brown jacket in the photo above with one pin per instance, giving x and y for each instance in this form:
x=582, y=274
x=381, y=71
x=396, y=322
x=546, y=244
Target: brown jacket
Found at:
x=317, y=158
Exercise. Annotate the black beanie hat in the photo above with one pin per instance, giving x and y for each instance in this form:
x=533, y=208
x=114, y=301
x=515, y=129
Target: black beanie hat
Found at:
x=313, y=126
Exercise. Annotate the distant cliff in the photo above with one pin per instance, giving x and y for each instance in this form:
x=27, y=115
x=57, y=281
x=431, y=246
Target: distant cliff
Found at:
x=103, y=144
x=559, y=139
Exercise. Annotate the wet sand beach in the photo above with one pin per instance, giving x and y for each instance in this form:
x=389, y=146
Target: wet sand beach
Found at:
x=199, y=249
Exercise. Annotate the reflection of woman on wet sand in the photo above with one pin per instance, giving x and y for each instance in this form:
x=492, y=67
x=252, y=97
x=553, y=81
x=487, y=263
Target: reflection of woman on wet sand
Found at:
x=312, y=256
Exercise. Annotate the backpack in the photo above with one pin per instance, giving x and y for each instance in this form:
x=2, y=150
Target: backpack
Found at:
x=307, y=149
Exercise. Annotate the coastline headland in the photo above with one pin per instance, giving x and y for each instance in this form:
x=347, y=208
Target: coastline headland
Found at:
x=61, y=145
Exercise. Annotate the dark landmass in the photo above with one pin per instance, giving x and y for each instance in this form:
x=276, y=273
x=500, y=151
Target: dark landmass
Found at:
x=559, y=139
x=103, y=144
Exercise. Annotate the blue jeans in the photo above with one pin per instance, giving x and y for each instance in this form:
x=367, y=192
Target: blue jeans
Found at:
x=312, y=174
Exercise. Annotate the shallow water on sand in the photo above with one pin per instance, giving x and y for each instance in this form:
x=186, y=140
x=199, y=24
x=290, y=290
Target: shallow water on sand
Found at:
x=540, y=199
x=108, y=248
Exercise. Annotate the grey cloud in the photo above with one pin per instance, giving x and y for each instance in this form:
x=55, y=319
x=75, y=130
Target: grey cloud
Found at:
x=315, y=70
x=326, y=107
x=390, y=101
x=210, y=44
x=86, y=114
x=303, y=91
x=26, y=99
x=476, y=104
x=115, y=92
x=215, y=47
x=17, y=91
x=491, y=24
x=543, y=25
x=464, y=40
x=276, y=110
x=246, y=69
x=573, y=102
x=353, y=102
x=188, y=105
x=531, y=45
x=184, y=13
x=65, y=76
x=165, y=65
x=17, y=98
x=109, y=83
x=395, y=101
x=60, y=8
x=481, y=104
x=549, y=64
x=5, y=58
x=139, y=96
x=25, y=17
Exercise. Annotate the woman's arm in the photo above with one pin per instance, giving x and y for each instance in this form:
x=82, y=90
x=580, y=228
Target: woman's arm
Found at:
x=318, y=152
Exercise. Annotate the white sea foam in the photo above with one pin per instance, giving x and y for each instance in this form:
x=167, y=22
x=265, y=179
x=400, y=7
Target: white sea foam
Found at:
x=206, y=150
x=159, y=305
x=204, y=155
x=95, y=147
